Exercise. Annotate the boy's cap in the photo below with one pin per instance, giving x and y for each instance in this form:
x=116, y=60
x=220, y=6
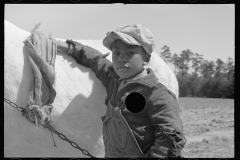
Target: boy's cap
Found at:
x=133, y=35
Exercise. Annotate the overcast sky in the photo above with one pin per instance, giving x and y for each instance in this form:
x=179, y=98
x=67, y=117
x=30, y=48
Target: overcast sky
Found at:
x=207, y=29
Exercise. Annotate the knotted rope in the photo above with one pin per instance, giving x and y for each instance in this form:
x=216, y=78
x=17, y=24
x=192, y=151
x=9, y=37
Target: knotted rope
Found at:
x=42, y=53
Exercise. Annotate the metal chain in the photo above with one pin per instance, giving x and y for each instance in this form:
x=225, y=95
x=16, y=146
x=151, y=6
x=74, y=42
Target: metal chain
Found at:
x=73, y=144
x=21, y=109
x=62, y=136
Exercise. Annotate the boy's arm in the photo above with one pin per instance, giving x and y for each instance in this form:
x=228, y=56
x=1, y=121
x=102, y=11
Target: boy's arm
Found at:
x=95, y=60
x=164, y=115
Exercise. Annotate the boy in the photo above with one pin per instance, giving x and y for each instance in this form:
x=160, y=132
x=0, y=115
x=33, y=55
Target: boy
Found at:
x=142, y=117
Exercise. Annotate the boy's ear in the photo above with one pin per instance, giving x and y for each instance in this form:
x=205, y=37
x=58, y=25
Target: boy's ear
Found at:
x=147, y=58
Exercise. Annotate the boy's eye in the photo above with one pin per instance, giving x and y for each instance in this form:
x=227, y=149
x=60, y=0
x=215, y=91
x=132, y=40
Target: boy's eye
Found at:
x=115, y=53
x=129, y=53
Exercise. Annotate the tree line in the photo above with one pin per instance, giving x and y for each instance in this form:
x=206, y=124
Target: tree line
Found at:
x=198, y=77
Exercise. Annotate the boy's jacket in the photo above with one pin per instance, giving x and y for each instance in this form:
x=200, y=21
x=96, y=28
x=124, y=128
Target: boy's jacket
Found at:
x=158, y=128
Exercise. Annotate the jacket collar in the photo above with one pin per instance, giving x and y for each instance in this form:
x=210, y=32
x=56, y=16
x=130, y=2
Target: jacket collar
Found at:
x=150, y=80
x=135, y=77
x=146, y=77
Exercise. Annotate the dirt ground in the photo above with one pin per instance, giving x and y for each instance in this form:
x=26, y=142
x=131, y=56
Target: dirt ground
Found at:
x=208, y=126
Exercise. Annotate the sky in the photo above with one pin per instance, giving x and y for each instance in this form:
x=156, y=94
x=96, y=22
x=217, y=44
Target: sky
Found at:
x=206, y=29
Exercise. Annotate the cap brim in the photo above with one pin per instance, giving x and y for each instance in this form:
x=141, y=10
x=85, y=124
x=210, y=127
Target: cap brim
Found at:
x=112, y=36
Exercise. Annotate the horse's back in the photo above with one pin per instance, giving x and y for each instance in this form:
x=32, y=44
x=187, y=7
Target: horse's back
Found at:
x=78, y=106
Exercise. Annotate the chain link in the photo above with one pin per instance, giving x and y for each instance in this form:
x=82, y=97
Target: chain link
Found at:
x=60, y=135
x=73, y=144
x=21, y=109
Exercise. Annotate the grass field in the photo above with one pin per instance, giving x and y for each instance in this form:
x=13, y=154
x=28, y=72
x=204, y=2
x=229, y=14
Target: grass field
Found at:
x=208, y=126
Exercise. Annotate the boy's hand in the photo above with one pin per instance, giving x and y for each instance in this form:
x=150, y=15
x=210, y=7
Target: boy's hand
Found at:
x=71, y=47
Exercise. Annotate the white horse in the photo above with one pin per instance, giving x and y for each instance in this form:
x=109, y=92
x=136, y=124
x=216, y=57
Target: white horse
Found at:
x=77, y=108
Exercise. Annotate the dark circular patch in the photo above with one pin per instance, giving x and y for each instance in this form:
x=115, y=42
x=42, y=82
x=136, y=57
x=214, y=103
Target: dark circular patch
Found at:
x=135, y=102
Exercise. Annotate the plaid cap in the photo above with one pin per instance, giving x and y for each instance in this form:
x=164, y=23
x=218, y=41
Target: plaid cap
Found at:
x=132, y=35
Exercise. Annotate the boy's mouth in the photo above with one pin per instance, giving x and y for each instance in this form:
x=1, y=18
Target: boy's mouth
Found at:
x=123, y=68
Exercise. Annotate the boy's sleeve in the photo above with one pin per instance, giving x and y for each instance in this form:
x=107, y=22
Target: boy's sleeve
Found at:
x=164, y=115
x=95, y=60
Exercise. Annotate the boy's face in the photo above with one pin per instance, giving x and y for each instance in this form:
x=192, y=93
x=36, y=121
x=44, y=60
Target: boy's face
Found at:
x=127, y=59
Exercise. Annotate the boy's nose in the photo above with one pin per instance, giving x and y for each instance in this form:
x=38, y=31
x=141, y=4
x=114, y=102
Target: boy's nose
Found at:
x=122, y=61
x=122, y=58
